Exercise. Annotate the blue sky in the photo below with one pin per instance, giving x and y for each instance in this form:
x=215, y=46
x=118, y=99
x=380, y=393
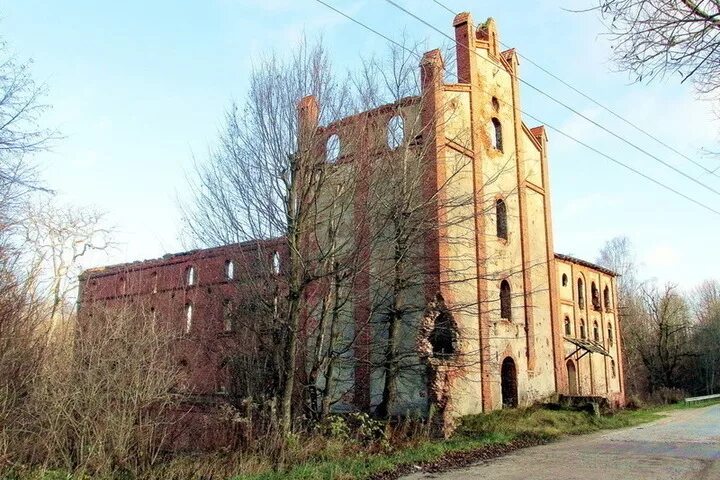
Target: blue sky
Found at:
x=139, y=88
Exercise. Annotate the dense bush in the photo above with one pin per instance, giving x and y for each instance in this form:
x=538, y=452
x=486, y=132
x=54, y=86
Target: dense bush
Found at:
x=98, y=404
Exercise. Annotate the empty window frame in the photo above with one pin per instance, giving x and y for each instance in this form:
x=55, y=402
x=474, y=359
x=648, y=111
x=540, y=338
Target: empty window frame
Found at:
x=228, y=311
x=496, y=139
x=505, y=300
x=332, y=148
x=276, y=263
x=395, y=132
x=190, y=276
x=606, y=298
x=564, y=280
x=582, y=329
x=595, y=296
x=581, y=292
x=188, y=317
x=596, y=331
x=229, y=269
x=501, y=219
x=568, y=326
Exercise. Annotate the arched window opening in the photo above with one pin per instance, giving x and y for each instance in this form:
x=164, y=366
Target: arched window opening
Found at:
x=508, y=379
x=227, y=315
x=568, y=328
x=332, y=148
x=612, y=367
x=581, y=293
x=229, y=270
x=505, y=300
x=572, y=377
x=501, y=219
x=496, y=140
x=595, y=295
x=606, y=298
x=564, y=280
x=495, y=104
x=596, y=332
x=582, y=329
x=610, y=334
x=395, y=132
x=443, y=337
x=276, y=263
x=121, y=286
x=188, y=317
x=154, y=282
x=190, y=276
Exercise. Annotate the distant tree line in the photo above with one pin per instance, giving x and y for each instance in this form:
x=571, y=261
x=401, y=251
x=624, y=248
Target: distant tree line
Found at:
x=670, y=336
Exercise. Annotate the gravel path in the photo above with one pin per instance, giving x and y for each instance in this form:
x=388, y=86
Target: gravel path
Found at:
x=683, y=446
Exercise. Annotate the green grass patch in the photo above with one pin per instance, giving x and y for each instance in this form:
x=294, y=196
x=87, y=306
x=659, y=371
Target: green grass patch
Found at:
x=684, y=405
x=535, y=422
x=474, y=432
x=361, y=465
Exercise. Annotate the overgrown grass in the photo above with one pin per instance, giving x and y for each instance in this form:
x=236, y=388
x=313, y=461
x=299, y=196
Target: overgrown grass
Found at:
x=475, y=432
x=361, y=465
x=548, y=424
x=324, y=457
x=682, y=405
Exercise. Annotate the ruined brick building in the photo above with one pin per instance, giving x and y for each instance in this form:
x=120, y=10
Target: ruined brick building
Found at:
x=543, y=323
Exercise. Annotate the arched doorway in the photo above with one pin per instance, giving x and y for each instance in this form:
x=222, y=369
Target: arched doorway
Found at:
x=572, y=378
x=508, y=375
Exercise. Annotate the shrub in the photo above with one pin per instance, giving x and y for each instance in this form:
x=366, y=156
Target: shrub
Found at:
x=358, y=427
x=99, y=405
x=667, y=396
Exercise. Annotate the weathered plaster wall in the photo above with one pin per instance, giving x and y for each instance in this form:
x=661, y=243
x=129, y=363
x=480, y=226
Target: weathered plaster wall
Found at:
x=597, y=374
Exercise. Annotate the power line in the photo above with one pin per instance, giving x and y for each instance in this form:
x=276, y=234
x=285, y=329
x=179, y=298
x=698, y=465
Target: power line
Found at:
x=561, y=103
x=579, y=142
x=604, y=107
x=613, y=159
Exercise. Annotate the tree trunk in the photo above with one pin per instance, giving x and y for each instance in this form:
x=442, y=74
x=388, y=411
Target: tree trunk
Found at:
x=390, y=364
x=390, y=385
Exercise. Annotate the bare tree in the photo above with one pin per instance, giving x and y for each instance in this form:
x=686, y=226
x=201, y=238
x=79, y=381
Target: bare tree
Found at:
x=655, y=38
x=705, y=373
x=56, y=239
x=358, y=213
x=664, y=340
x=618, y=255
x=265, y=181
x=22, y=326
x=21, y=108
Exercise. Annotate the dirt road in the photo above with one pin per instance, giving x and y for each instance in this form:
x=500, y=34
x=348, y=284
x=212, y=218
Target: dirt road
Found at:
x=683, y=446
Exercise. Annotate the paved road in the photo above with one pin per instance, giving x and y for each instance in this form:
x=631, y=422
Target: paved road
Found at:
x=683, y=446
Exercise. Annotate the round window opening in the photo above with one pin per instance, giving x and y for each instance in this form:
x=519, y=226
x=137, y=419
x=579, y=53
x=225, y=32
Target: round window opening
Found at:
x=395, y=131
x=332, y=148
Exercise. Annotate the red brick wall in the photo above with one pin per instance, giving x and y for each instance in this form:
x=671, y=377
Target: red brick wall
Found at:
x=160, y=285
